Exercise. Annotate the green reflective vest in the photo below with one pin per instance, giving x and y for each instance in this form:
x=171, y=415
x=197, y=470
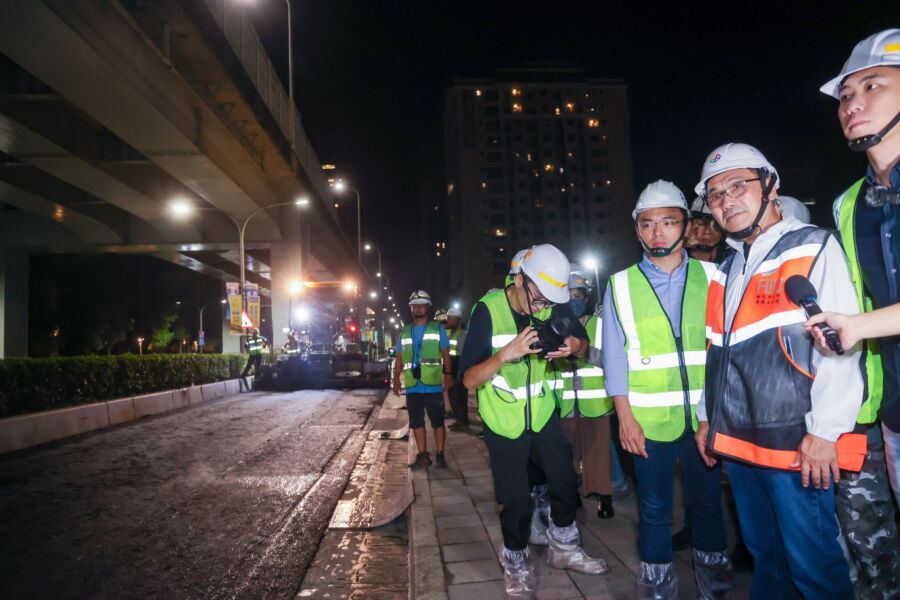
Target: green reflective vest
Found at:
x=255, y=344
x=582, y=381
x=430, y=360
x=292, y=350
x=517, y=396
x=453, y=336
x=845, y=219
x=665, y=373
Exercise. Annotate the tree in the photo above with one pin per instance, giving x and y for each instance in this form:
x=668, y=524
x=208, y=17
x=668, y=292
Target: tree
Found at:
x=162, y=335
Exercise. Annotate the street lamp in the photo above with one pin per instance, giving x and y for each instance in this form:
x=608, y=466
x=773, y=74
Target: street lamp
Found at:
x=201, y=309
x=591, y=263
x=370, y=247
x=140, y=342
x=373, y=294
x=182, y=209
x=340, y=187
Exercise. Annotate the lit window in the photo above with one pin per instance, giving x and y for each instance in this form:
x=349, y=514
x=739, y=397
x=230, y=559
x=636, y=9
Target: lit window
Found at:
x=477, y=92
x=603, y=137
x=516, y=92
x=484, y=184
x=335, y=204
x=593, y=123
x=449, y=189
x=570, y=155
x=500, y=233
x=438, y=253
x=328, y=167
x=562, y=169
x=608, y=182
x=517, y=108
x=529, y=156
x=570, y=106
x=562, y=189
x=548, y=167
x=556, y=111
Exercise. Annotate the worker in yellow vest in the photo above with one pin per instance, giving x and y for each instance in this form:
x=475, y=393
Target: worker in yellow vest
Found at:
x=459, y=395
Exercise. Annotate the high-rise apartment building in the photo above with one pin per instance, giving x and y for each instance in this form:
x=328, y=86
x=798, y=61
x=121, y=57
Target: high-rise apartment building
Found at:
x=537, y=155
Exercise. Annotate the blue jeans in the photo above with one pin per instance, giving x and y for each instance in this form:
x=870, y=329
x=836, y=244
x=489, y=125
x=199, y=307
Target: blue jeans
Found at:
x=792, y=533
x=655, y=488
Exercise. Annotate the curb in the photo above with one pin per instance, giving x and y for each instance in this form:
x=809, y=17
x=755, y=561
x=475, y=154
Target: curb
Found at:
x=25, y=431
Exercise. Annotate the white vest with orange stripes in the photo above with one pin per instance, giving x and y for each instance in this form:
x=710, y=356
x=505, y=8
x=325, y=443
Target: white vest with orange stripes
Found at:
x=759, y=368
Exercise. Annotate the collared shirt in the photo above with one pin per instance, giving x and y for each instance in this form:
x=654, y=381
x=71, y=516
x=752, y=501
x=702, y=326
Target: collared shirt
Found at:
x=418, y=333
x=878, y=252
x=837, y=390
x=669, y=288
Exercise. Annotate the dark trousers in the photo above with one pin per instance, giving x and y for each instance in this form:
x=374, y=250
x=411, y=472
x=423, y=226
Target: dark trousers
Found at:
x=551, y=452
x=655, y=488
x=459, y=402
x=252, y=363
x=792, y=533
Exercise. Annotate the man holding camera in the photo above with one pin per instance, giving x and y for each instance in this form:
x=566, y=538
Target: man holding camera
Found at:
x=654, y=356
x=507, y=360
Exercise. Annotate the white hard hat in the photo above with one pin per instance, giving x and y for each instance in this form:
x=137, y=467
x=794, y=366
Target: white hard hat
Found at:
x=879, y=49
x=454, y=312
x=419, y=297
x=659, y=194
x=699, y=209
x=791, y=207
x=440, y=315
x=578, y=278
x=733, y=156
x=515, y=267
x=548, y=268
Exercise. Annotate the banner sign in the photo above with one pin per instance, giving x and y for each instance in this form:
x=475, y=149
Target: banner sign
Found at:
x=253, y=308
x=202, y=338
x=233, y=293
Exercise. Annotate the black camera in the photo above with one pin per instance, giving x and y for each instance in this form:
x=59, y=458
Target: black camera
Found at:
x=552, y=334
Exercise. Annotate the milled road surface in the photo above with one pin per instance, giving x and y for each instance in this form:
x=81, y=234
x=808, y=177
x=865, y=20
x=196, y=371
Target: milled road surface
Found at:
x=226, y=500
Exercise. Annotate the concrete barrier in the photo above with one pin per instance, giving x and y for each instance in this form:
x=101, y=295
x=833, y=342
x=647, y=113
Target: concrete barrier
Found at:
x=38, y=428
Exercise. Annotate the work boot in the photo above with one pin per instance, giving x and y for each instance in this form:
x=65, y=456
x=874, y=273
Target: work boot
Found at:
x=682, y=539
x=518, y=574
x=540, y=516
x=605, y=508
x=565, y=551
x=422, y=460
x=657, y=581
x=714, y=576
x=439, y=461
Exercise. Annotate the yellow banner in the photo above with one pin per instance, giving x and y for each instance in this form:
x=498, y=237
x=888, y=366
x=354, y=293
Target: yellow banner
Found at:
x=252, y=291
x=233, y=292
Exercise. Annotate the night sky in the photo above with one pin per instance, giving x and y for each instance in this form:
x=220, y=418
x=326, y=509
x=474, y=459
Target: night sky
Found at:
x=370, y=79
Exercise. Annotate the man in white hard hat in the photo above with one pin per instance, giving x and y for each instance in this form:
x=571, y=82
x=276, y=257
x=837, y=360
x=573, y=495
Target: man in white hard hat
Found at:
x=705, y=240
x=459, y=395
x=867, y=217
x=515, y=266
x=789, y=206
x=654, y=351
x=507, y=362
x=422, y=364
x=776, y=410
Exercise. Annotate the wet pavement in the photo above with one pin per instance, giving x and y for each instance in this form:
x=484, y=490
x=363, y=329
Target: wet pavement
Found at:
x=225, y=500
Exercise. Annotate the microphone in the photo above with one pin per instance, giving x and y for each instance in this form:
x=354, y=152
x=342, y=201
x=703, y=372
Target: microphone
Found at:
x=802, y=293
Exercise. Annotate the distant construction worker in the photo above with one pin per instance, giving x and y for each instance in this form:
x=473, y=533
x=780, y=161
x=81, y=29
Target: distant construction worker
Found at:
x=291, y=347
x=423, y=363
x=255, y=346
x=459, y=396
x=585, y=406
x=440, y=315
x=705, y=241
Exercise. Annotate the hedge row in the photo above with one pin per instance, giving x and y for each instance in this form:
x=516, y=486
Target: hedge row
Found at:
x=30, y=385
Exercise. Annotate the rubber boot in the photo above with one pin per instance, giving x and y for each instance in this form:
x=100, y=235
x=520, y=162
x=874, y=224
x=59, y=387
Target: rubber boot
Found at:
x=540, y=516
x=518, y=574
x=566, y=552
x=657, y=581
x=714, y=576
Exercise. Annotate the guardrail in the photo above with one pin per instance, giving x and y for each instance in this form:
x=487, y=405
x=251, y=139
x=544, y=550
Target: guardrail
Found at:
x=243, y=39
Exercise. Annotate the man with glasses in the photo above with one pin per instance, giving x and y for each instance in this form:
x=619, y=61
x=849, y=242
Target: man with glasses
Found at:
x=775, y=409
x=504, y=360
x=654, y=352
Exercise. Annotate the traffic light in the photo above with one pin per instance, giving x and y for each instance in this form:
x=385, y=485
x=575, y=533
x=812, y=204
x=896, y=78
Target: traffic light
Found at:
x=352, y=328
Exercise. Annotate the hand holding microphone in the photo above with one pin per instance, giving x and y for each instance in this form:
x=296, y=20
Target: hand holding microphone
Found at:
x=802, y=293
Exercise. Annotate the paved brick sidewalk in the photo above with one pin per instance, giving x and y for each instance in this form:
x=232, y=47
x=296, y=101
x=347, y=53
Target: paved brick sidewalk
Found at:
x=455, y=533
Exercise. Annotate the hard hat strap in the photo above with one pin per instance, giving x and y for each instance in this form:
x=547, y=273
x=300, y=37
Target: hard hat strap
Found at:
x=861, y=144
x=769, y=179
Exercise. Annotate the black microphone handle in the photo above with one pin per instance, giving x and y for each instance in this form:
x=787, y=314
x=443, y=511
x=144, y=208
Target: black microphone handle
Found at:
x=831, y=336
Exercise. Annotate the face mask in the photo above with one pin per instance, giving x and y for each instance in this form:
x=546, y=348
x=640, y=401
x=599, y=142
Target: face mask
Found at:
x=578, y=306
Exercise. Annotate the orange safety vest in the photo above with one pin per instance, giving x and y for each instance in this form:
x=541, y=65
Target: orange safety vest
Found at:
x=759, y=371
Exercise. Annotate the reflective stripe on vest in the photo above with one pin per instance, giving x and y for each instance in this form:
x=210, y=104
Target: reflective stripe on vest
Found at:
x=658, y=363
x=430, y=361
x=255, y=345
x=518, y=396
x=454, y=341
x=845, y=219
x=765, y=350
x=591, y=396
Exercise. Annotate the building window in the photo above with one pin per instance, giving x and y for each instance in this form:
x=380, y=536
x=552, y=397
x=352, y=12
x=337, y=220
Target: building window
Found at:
x=593, y=123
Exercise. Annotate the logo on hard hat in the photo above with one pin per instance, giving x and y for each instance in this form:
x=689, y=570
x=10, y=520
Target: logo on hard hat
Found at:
x=713, y=160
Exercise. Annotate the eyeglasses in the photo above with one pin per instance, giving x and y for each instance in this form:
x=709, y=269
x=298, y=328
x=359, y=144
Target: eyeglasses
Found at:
x=666, y=224
x=538, y=301
x=735, y=190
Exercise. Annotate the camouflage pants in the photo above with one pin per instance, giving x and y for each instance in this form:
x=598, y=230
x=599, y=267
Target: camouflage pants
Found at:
x=865, y=510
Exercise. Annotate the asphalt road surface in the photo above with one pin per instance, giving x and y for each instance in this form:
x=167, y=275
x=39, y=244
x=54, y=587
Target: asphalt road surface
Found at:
x=226, y=500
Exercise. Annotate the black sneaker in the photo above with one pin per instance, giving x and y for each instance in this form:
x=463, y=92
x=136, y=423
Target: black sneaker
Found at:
x=682, y=539
x=439, y=461
x=422, y=461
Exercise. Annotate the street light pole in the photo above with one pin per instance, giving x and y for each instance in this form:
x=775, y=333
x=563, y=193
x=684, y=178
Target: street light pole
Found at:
x=292, y=125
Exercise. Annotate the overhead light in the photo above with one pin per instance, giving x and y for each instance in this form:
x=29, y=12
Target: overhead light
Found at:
x=181, y=209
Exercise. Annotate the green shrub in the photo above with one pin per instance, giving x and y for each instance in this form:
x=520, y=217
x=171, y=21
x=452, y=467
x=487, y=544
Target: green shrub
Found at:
x=30, y=385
